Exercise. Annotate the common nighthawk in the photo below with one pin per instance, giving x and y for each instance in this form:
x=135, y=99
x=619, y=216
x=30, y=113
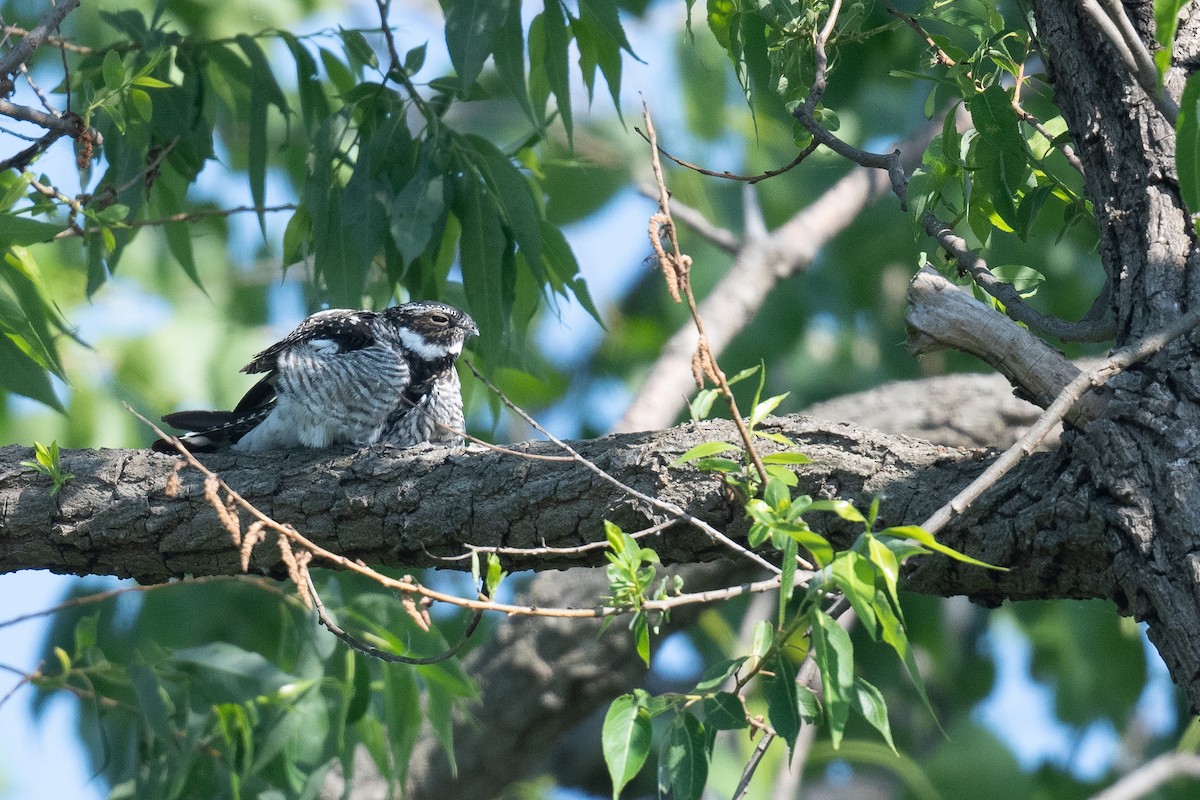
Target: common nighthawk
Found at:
x=346, y=377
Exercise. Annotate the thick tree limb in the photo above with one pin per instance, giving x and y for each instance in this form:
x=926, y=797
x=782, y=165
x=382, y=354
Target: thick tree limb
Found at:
x=940, y=315
x=408, y=508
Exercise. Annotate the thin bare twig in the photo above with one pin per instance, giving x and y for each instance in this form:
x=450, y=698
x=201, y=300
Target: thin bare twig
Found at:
x=100, y=597
x=726, y=174
x=534, y=552
x=358, y=644
x=670, y=508
x=677, y=268
x=183, y=216
x=721, y=238
x=1117, y=362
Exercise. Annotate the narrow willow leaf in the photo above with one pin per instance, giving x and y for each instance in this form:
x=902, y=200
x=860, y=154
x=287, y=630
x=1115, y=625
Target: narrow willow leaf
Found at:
x=783, y=705
x=714, y=676
x=1187, y=144
x=843, y=508
x=508, y=54
x=724, y=711
x=835, y=659
x=479, y=256
x=869, y=702
x=786, y=458
x=625, y=737
x=469, y=28
x=855, y=576
x=556, y=62
x=917, y=533
x=683, y=759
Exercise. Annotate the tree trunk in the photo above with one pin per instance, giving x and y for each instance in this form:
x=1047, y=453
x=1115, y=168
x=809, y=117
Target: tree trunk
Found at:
x=1135, y=470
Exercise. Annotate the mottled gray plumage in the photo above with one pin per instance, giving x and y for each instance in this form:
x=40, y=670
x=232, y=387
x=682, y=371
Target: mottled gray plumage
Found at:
x=346, y=377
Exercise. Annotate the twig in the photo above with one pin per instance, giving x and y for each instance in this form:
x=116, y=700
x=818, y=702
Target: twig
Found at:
x=552, y=551
x=100, y=597
x=1015, y=306
x=1151, y=775
x=727, y=175
x=805, y=113
x=183, y=216
x=748, y=771
x=1117, y=28
x=721, y=238
x=61, y=124
x=1117, y=362
x=670, y=508
x=10, y=62
x=679, y=266
x=358, y=644
x=939, y=54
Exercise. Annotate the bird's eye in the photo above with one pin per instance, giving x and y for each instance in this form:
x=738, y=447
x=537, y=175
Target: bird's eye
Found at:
x=439, y=319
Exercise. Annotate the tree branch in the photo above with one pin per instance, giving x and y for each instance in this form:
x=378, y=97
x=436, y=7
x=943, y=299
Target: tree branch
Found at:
x=760, y=264
x=941, y=315
x=11, y=61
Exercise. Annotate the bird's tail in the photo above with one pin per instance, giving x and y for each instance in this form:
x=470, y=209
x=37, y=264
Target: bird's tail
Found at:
x=209, y=431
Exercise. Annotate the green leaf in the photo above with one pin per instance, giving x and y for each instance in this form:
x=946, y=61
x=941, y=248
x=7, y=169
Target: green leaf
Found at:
x=625, y=737
x=469, y=28
x=114, y=71
x=783, y=705
x=1166, y=22
x=834, y=654
x=683, y=759
x=761, y=410
x=724, y=711
x=715, y=675
x=15, y=230
x=855, y=576
x=786, y=458
x=703, y=451
x=357, y=48
x=921, y=535
x=999, y=152
x=508, y=54
x=1187, y=144
x=718, y=465
x=555, y=60
x=480, y=256
x=843, y=508
x=641, y=636
x=150, y=82
x=226, y=673
x=1024, y=279
x=776, y=495
x=142, y=104
x=402, y=715
x=702, y=405
x=21, y=373
x=869, y=702
x=415, y=212
x=150, y=704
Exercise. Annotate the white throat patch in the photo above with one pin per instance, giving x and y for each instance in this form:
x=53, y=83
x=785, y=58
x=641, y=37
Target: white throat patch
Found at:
x=415, y=343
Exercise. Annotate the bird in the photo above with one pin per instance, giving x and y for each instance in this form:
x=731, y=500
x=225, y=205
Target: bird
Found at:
x=345, y=377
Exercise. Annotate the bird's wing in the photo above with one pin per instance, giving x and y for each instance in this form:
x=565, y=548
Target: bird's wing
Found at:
x=331, y=332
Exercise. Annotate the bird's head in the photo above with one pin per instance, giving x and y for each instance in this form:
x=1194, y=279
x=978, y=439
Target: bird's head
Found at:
x=432, y=330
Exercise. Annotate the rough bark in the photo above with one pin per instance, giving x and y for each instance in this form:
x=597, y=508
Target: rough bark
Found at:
x=411, y=508
x=1134, y=471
